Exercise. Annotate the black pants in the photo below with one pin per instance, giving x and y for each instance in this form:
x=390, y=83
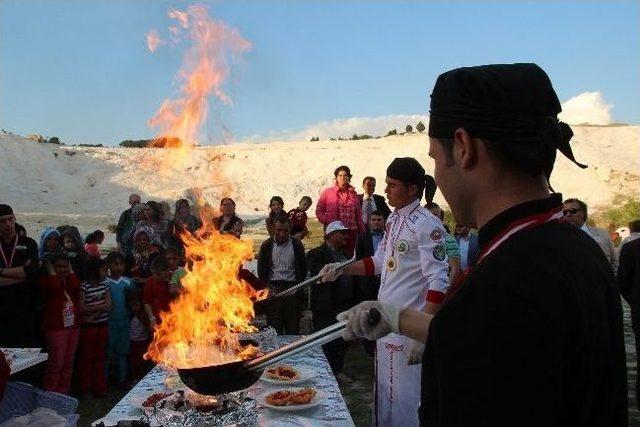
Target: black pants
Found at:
x=283, y=314
x=636, y=333
x=336, y=349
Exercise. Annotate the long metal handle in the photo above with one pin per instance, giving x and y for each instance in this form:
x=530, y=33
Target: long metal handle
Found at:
x=320, y=337
x=310, y=281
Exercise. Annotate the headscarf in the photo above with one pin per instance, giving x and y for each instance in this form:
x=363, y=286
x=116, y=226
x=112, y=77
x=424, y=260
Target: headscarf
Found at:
x=46, y=233
x=154, y=240
x=513, y=105
x=136, y=211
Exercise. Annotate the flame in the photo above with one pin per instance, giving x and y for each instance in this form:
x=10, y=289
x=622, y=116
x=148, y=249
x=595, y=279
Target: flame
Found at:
x=205, y=69
x=201, y=326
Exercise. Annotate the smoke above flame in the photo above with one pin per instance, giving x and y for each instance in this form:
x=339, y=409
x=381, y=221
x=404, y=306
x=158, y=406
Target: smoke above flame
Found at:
x=207, y=63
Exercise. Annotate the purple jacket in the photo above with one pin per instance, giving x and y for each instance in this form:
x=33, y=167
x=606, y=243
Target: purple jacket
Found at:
x=327, y=206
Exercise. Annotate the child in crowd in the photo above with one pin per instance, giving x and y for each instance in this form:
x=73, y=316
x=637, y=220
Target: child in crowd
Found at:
x=72, y=249
x=157, y=295
x=92, y=243
x=175, y=260
x=276, y=208
x=61, y=322
x=95, y=303
x=298, y=218
x=119, y=314
x=49, y=243
x=139, y=336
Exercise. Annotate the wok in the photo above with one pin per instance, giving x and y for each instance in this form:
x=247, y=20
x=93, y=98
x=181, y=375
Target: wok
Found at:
x=235, y=376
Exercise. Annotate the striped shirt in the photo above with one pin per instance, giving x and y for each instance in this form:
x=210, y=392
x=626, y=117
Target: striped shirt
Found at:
x=283, y=262
x=95, y=295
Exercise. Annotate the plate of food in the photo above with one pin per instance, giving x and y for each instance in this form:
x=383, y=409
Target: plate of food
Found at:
x=285, y=374
x=292, y=399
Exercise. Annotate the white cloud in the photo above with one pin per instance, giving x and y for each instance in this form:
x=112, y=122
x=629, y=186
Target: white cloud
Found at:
x=588, y=107
x=345, y=128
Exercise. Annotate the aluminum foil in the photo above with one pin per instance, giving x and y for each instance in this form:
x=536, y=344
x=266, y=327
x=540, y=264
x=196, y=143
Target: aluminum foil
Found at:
x=241, y=411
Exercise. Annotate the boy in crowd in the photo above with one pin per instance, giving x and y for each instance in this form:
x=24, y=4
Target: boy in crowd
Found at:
x=119, y=314
x=298, y=218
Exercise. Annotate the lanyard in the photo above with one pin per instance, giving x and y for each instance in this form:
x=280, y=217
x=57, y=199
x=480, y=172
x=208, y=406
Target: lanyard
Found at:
x=521, y=224
x=7, y=264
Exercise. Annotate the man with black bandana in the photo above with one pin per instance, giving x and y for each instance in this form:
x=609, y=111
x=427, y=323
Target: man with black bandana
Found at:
x=413, y=268
x=532, y=335
x=18, y=271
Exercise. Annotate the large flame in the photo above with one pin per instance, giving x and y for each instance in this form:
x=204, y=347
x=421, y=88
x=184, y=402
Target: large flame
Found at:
x=205, y=69
x=201, y=326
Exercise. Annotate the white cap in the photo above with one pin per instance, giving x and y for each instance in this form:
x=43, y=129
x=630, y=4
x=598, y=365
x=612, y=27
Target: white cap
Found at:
x=334, y=226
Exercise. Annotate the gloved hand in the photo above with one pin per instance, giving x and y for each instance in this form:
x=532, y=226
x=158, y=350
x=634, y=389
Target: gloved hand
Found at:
x=414, y=355
x=358, y=321
x=329, y=272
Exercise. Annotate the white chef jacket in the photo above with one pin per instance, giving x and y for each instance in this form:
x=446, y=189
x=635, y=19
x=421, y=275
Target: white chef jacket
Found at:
x=414, y=237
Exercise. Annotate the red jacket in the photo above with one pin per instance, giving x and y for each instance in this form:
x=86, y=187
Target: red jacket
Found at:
x=53, y=288
x=156, y=294
x=327, y=206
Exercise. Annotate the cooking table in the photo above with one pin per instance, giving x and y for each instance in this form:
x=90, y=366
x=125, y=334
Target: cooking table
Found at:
x=333, y=411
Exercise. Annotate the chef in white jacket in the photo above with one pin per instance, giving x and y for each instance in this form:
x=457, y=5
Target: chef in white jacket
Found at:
x=412, y=262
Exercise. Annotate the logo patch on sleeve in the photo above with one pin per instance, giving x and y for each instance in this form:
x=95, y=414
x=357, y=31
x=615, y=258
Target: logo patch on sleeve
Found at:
x=439, y=252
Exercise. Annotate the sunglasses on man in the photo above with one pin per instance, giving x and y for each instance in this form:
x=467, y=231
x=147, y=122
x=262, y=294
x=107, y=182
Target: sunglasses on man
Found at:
x=566, y=212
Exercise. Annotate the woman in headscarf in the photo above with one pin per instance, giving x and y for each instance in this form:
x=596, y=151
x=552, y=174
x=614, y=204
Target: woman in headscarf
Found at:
x=153, y=216
x=146, y=244
x=228, y=222
x=183, y=221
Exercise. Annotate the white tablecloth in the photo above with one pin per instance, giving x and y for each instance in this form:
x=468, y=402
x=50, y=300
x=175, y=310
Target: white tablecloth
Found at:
x=24, y=358
x=333, y=412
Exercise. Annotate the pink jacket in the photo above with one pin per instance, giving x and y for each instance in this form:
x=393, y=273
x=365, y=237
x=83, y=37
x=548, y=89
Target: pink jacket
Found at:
x=327, y=206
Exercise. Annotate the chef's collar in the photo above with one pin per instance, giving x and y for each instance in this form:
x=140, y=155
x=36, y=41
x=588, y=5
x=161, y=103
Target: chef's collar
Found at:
x=405, y=211
x=499, y=222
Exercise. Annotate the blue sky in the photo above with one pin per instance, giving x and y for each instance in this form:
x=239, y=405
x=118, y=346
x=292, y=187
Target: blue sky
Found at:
x=81, y=69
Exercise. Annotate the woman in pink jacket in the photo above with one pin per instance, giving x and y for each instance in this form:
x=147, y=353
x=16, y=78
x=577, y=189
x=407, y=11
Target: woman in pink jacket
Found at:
x=340, y=203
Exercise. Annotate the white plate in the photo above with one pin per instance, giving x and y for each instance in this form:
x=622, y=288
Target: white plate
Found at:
x=303, y=376
x=317, y=400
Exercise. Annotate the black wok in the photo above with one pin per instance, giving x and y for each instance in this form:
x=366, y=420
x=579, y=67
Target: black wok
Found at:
x=235, y=376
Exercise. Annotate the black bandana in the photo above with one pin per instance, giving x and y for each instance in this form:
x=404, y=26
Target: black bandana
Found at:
x=507, y=104
x=407, y=170
x=5, y=210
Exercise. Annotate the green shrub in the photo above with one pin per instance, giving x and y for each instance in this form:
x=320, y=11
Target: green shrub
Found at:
x=54, y=140
x=408, y=129
x=420, y=127
x=141, y=143
x=618, y=216
x=392, y=132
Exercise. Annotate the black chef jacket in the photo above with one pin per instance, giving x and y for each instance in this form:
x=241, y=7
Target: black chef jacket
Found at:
x=18, y=302
x=532, y=337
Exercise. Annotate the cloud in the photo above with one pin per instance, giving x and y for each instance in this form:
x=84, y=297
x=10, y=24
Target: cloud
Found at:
x=588, y=107
x=345, y=128
x=153, y=40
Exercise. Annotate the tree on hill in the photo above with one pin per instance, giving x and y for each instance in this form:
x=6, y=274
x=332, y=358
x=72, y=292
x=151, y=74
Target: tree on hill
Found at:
x=420, y=127
x=392, y=132
x=408, y=129
x=54, y=140
x=141, y=143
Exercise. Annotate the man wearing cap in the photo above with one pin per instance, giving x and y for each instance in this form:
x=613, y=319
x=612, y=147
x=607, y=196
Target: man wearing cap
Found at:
x=18, y=271
x=412, y=262
x=532, y=335
x=337, y=295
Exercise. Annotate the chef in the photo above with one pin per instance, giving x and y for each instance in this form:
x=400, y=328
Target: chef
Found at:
x=532, y=334
x=411, y=260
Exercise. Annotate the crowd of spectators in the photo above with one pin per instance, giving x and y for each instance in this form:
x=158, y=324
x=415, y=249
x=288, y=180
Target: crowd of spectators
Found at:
x=94, y=313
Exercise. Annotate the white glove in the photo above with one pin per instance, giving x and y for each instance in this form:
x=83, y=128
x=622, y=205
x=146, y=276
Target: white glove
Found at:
x=414, y=355
x=358, y=321
x=329, y=272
